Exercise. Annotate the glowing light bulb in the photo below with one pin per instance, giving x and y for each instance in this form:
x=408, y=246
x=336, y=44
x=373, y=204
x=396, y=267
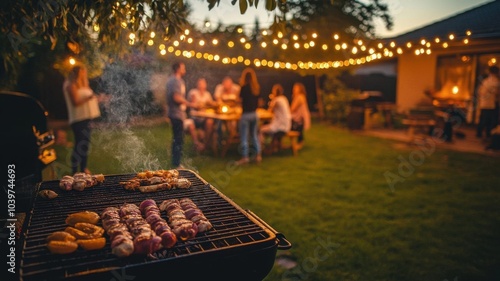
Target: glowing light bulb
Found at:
x=72, y=61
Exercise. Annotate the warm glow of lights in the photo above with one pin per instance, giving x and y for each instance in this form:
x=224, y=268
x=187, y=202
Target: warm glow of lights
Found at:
x=161, y=47
x=124, y=24
x=186, y=31
x=170, y=49
x=312, y=44
x=190, y=40
x=176, y=43
x=417, y=52
x=408, y=45
x=131, y=36
x=344, y=46
x=224, y=109
x=280, y=34
x=131, y=42
x=243, y=40
x=354, y=50
x=314, y=35
x=428, y=51
x=296, y=45
x=360, y=42
x=202, y=43
x=152, y=34
x=466, y=41
x=182, y=37
x=393, y=44
x=380, y=45
x=454, y=90
x=72, y=61
x=234, y=60
x=306, y=46
x=324, y=47
x=248, y=46
x=423, y=41
x=295, y=37
x=445, y=45
x=284, y=46
x=451, y=36
x=96, y=27
x=207, y=24
x=247, y=62
x=399, y=51
x=150, y=42
x=437, y=40
x=468, y=33
x=264, y=32
x=263, y=44
x=275, y=41
x=216, y=57
x=428, y=44
x=371, y=51
x=199, y=55
x=163, y=52
x=239, y=30
x=230, y=44
x=336, y=36
x=177, y=53
x=215, y=41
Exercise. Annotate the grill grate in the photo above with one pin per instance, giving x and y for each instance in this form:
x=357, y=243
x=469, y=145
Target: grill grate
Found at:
x=232, y=229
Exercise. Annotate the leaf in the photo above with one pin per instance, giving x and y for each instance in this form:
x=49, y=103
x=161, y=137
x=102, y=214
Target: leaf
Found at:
x=243, y=6
x=270, y=5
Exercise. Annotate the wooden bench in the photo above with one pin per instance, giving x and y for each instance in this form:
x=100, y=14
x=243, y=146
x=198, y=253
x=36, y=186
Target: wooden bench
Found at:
x=417, y=125
x=292, y=136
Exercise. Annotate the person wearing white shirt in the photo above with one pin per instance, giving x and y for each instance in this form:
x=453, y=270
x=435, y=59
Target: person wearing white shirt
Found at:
x=488, y=95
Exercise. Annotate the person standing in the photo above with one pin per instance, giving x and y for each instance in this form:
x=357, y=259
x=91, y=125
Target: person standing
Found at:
x=248, y=124
x=83, y=107
x=488, y=94
x=177, y=103
x=301, y=117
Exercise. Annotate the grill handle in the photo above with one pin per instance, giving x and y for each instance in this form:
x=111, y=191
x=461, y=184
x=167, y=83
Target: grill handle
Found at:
x=283, y=243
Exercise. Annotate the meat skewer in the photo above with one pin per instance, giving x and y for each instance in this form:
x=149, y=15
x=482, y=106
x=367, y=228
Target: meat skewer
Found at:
x=122, y=244
x=151, y=212
x=153, y=181
x=193, y=213
x=145, y=239
x=183, y=228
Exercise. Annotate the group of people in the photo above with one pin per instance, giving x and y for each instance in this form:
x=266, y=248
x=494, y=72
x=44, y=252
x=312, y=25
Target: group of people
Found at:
x=82, y=106
x=247, y=94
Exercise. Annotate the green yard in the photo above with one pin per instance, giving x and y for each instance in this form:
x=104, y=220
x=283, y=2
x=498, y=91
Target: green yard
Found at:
x=333, y=202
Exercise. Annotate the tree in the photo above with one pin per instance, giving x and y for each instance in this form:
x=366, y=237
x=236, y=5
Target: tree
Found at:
x=81, y=28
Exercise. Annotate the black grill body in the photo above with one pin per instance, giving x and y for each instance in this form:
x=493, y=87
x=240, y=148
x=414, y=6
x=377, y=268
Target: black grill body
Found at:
x=240, y=246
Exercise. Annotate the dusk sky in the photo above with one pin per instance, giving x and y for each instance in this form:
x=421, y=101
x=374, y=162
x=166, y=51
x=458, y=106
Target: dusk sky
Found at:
x=407, y=14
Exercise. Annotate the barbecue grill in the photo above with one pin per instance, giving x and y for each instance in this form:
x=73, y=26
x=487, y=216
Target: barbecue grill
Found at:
x=241, y=246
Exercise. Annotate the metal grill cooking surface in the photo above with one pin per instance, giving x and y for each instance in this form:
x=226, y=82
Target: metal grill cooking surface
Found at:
x=233, y=229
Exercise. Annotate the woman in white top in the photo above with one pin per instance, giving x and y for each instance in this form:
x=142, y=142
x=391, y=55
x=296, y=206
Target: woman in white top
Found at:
x=301, y=117
x=82, y=105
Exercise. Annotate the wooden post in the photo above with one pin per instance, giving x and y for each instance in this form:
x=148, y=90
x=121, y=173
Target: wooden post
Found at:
x=319, y=97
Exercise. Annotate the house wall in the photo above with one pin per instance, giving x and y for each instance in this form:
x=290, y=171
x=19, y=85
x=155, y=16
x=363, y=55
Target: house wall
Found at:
x=415, y=75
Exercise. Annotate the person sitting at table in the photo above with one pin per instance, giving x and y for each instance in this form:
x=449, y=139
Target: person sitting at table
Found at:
x=202, y=99
x=281, y=121
x=248, y=124
x=227, y=92
x=301, y=117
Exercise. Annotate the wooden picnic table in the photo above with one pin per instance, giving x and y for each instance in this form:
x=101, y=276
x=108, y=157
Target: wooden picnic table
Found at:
x=229, y=122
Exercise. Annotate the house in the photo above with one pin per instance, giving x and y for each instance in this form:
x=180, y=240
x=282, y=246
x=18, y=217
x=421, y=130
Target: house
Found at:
x=443, y=63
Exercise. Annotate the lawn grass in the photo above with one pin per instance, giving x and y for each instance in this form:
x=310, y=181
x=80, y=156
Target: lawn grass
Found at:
x=334, y=204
